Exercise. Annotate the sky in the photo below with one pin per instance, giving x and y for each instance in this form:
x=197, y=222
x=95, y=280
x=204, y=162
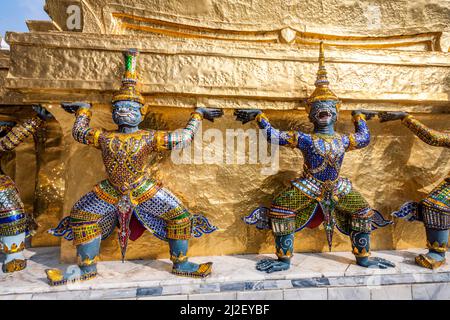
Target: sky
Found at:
x=14, y=13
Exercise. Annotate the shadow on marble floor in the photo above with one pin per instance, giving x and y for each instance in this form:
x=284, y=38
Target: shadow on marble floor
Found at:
x=406, y=254
x=408, y=257
x=49, y=261
x=46, y=259
x=335, y=258
x=153, y=264
x=44, y=264
x=254, y=258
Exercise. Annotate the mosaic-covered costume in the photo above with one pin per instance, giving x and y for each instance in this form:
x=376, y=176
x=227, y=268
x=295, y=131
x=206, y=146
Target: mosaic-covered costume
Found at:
x=434, y=210
x=13, y=219
x=320, y=186
x=129, y=198
x=320, y=195
x=129, y=192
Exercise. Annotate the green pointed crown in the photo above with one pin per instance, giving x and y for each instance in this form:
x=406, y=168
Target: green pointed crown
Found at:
x=129, y=91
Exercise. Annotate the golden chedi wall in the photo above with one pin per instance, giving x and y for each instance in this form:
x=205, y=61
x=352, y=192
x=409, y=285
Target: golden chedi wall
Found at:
x=381, y=55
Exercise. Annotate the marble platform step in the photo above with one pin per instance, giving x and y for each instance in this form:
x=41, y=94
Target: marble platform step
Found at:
x=312, y=276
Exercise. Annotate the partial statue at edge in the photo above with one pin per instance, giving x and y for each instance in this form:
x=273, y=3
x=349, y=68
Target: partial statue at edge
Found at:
x=14, y=222
x=434, y=210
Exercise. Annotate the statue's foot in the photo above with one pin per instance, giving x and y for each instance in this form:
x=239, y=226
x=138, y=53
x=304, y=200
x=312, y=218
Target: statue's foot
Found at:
x=192, y=270
x=431, y=260
x=378, y=263
x=14, y=266
x=56, y=277
x=272, y=265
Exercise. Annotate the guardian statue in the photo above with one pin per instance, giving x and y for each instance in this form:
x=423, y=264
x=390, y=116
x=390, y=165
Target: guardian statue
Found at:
x=320, y=195
x=130, y=198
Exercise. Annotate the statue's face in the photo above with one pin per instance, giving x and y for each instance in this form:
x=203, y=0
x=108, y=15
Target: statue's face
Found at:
x=127, y=113
x=323, y=113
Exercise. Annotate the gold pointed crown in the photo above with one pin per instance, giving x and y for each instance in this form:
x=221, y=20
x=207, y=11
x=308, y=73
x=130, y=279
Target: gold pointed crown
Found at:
x=322, y=91
x=129, y=91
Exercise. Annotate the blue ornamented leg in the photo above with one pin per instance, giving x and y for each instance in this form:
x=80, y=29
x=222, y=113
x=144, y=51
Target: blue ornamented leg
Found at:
x=13, y=247
x=437, y=241
x=361, y=250
x=284, y=248
x=181, y=265
x=85, y=270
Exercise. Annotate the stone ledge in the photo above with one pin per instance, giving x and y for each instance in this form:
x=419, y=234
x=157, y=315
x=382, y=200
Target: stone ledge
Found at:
x=312, y=276
x=224, y=70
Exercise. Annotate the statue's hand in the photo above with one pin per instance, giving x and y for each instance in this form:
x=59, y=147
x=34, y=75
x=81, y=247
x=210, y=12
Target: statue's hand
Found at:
x=210, y=113
x=246, y=115
x=271, y=265
x=368, y=114
x=42, y=113
x=5, y=127
x=72, y=107
x=392, y=116
x=7, y=124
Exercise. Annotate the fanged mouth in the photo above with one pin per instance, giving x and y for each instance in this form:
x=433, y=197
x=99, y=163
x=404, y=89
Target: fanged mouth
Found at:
x=123, y=115
x=323, y=114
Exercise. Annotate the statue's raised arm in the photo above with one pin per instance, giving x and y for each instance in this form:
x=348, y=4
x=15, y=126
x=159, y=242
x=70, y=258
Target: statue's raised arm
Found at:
x=22, y=131
x=426, y=134
x=182, y=138
x=361, y=138
x=81, y=131
x=292, y=138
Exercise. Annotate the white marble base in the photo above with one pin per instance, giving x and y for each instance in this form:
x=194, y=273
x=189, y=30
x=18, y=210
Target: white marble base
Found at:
x=324, y=276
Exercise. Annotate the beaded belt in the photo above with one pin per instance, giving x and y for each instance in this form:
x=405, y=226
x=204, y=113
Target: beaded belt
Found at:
x=143, y=191
x=318, y=190
x=122, y=189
